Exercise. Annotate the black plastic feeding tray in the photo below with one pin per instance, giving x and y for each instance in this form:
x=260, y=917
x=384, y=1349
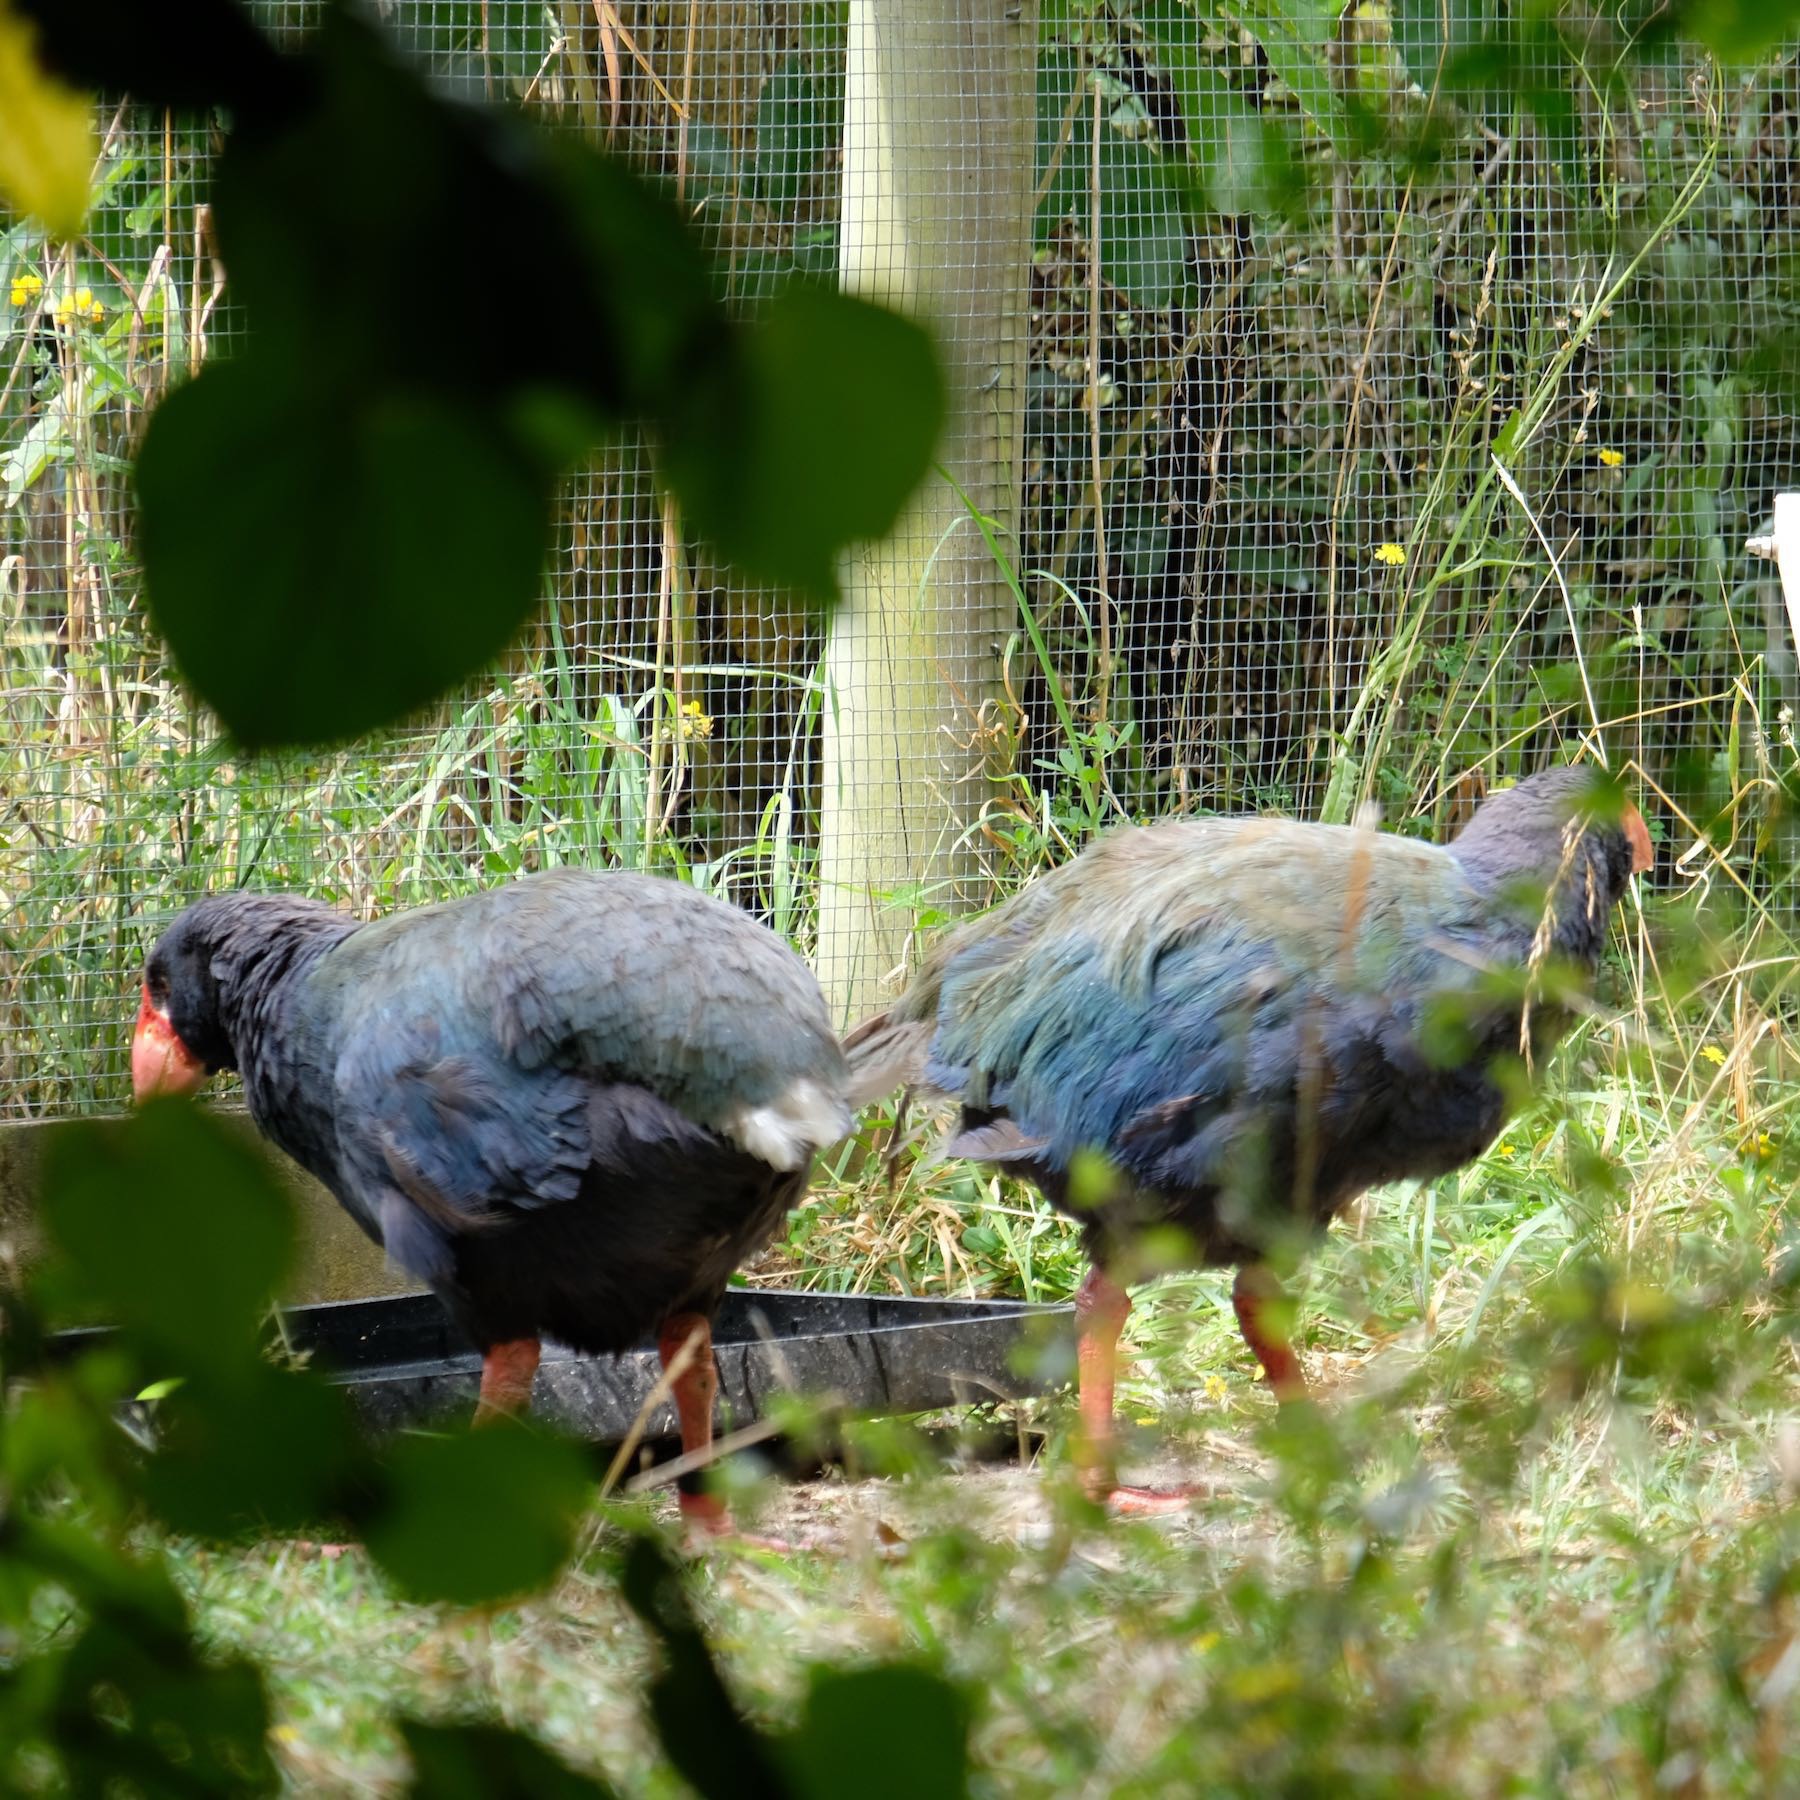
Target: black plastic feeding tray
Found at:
x=405, y=1364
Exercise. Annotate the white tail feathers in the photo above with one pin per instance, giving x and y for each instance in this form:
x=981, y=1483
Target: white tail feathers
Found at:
x=784, y=1132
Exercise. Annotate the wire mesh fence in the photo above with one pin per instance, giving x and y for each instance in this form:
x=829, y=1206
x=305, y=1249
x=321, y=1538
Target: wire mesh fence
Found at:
x=1338, y=474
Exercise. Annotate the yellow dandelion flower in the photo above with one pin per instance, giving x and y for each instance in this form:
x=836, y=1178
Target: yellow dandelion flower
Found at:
x=1507, y=1150
x=1391, y=554
x=1613, y=459
x=1762, y=1147
x=693, y=722
x=1148, y=1419
x=79, y=305
x=25, y=288
x=1713, y=1055
x=1216, y=1388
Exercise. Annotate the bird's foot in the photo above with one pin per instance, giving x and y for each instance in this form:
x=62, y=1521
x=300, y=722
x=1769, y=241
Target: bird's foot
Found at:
x=1126, y=1501
x=709, y=1526
x=1154, y=1503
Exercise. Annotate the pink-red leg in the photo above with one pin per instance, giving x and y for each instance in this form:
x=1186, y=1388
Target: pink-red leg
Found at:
x=507, y=1372
x=694, y=1391
x=1262, y=1306
x=1101, y=1309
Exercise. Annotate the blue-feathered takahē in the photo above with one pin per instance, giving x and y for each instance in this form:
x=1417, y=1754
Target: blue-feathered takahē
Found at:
x=571, y=1105
x=1236, y=1026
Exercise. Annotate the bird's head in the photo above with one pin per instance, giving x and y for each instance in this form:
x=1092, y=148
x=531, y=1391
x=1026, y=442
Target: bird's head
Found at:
x=200, y=975
x=1553, y=822
x=180, y=1040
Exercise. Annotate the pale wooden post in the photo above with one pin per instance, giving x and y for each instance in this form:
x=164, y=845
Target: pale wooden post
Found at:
x=936, y=221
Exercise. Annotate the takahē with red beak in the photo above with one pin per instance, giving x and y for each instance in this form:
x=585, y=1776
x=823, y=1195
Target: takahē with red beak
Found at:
x=571, y=1106
x=1234, y=1027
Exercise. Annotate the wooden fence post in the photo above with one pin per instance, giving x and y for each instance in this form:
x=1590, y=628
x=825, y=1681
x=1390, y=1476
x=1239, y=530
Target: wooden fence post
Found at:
x=938, y=163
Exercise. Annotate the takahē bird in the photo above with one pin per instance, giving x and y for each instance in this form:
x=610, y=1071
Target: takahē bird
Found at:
x=571, y=1105
x=1236, y=1026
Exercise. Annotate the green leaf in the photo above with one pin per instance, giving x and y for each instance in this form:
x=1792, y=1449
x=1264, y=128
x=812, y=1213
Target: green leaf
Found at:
x=271, y=1449
x=108, y=1578
x=131, y=1706
x=903, y=1729
x=176, y=1228
x=184, y=53
x=819, y=370
x=488, y=1762
x=791, y=136
x=1296, y=36
x=1739, y=31
x=1250, y=167
x=322, y=563
x=1199, y=85
x=1143, y=238
x=712, y=165
x=37, y=447
x=713, y=1747
x=338, y=226
x=478, y=1516
x=353, y=514
x=1432, y=34
x=1246, y=158
x=1059, y=70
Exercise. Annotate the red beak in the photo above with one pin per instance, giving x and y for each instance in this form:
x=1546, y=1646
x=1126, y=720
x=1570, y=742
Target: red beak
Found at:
x=160, y=1062
x=1637, y=835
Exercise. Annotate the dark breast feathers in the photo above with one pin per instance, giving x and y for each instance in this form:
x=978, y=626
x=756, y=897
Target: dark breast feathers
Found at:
x=571, y=1104
x=1233, y=1025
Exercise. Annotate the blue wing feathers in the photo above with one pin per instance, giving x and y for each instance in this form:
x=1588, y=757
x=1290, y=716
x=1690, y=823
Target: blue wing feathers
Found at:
x=1172, y=1032
x=482, y=1057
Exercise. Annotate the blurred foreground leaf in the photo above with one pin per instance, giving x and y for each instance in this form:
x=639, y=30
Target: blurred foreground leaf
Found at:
x=486, y=1762
x=373, y=551
x=195, y=53
x=478, y=1516
x=46, y=133
x=903, y=1729
x=820, y=371
x=126, y=1701
x=271, y=1449
x=1736, y=31
x=714, y=1748
x=175, y=1227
